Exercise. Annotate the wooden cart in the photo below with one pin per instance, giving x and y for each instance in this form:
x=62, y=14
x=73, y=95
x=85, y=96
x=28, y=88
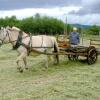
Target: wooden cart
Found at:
x=74, y=52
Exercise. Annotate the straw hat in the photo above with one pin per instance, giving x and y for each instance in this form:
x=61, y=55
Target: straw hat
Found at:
x=74, y=29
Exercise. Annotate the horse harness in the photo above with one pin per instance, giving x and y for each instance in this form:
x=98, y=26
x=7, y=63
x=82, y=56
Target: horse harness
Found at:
x=29, y=46
x=20, y=43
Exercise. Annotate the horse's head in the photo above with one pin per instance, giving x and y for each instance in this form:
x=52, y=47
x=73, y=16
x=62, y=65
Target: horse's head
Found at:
x=9, y=35
x=2, y=35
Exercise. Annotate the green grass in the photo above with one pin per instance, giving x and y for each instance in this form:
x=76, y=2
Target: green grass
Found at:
x=66, y=81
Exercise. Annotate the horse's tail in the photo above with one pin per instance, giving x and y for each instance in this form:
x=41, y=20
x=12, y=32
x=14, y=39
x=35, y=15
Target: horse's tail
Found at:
x=56, y=50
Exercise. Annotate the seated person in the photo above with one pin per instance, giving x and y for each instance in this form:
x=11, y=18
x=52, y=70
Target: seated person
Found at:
x=74, y=38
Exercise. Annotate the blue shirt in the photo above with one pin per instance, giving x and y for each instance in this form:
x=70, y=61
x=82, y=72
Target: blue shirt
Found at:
x=74, y=38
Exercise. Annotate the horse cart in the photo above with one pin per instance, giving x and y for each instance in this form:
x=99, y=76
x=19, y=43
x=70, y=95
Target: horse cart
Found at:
x=73, y=53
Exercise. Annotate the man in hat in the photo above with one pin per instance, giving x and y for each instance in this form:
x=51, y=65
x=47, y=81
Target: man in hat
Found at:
x=74, y=41
x=74, y=38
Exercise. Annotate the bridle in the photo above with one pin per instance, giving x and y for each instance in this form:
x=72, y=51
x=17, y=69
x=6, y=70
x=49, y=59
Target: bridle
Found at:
x=18, y=40
x=2, y=40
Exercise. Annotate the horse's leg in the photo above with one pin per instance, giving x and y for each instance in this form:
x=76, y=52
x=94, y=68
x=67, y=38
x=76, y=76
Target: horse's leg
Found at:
x=47, y=61
x=50, y=59
x=25, y=63
x=19, y=67
x=20, y=58
x=54, y=59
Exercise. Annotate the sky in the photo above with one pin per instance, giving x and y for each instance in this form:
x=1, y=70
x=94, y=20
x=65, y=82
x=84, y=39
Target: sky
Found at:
x=85, y=12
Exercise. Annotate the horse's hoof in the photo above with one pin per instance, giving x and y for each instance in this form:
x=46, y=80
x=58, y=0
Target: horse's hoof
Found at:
x=44, y=69
x=55, y=63
x=26, y=68
x=21, y=71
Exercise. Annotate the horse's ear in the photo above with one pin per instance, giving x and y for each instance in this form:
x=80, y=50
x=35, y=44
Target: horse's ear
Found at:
x=8, y=27
x=1, y=28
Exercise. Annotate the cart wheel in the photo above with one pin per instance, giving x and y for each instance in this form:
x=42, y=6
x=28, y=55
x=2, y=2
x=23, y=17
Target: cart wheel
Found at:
x=92, y=55
x=73, y=57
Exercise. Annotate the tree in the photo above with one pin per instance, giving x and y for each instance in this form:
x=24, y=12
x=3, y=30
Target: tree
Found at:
x=93, y=30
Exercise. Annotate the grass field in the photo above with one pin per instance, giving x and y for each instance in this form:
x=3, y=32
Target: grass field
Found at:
x=66, y=81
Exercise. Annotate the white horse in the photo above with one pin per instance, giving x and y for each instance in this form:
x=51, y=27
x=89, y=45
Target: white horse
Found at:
x=25, y=44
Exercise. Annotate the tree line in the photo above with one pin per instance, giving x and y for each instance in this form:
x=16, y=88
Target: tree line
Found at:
x=92, y=30
x=45, y=25
x=36, y=25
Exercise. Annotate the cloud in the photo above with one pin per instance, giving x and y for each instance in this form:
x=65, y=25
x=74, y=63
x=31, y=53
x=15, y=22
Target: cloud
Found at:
x=57, y=12
x=77, y=11
x=22, y=4
x=53, y=12
x=88, y=7
x=85, y=19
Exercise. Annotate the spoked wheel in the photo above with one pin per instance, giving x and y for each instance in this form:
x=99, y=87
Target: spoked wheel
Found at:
x=92, y=55
x=73, y=57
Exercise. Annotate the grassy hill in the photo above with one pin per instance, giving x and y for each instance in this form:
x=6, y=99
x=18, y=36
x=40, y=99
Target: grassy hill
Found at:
x=81, y=26
x=67, y=81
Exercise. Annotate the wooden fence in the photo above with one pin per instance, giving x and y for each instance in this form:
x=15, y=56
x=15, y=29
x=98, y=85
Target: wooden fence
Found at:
x=96, y=43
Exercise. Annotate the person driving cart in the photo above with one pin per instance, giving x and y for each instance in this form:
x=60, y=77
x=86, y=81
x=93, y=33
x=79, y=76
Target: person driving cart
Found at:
x=74, y=38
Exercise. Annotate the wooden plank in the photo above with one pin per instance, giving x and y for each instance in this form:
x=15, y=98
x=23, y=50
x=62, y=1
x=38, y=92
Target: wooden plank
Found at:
x=61, y=53
x=67, y=53
x=94, y=40
x=95, y=44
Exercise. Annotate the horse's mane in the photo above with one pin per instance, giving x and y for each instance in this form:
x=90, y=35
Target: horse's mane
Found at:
x=15, y=28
